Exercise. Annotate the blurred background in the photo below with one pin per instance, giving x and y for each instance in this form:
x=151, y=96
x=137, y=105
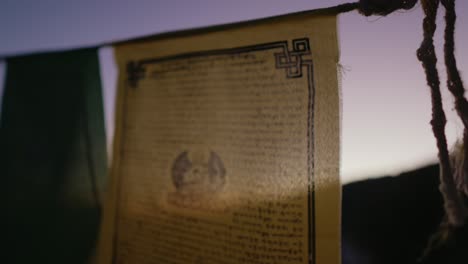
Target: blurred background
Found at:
x=386, y=109
x=386, y=103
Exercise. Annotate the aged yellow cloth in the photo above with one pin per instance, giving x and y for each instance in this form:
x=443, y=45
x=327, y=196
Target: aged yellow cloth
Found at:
x=227, y=146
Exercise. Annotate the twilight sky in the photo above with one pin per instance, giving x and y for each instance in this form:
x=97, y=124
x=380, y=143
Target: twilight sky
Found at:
x=386, y=103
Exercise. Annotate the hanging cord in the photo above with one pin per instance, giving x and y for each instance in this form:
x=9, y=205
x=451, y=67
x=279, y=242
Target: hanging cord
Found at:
x=376, y=7
x=364, y=7
x=454, y=207
x=455, y=86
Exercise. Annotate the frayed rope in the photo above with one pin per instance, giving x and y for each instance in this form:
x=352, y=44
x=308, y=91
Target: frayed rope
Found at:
x=456, y=87
x=453, y=203
x=453, y=181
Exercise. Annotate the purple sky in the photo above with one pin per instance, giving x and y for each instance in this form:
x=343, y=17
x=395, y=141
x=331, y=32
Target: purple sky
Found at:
x=386, y=104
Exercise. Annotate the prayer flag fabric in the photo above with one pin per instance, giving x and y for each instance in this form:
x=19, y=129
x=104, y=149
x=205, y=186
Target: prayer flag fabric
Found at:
x=227, y=146
x=52, y=157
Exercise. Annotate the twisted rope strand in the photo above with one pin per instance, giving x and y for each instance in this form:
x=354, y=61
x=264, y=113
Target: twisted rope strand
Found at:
x=456, y=212
x=456, y=87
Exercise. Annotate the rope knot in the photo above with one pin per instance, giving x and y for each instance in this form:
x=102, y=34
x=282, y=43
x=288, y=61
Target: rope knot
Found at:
x=426, y=52
x=384, y=7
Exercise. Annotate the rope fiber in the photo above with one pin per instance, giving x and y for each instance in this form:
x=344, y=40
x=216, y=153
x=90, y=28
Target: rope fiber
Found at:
x=453, y=204
x=456, y=87
x=453, y=181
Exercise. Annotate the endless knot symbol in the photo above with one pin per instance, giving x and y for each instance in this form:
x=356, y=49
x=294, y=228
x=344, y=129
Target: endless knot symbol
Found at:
x=292, y=61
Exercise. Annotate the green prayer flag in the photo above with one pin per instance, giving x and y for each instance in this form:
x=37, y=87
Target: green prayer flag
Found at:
x=52, y=157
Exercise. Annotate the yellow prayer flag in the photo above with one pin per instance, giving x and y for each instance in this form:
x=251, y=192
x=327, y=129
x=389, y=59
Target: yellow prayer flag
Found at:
x=227, y=146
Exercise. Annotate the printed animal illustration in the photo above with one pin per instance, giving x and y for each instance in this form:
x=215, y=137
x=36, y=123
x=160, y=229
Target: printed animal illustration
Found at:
x=198, y=176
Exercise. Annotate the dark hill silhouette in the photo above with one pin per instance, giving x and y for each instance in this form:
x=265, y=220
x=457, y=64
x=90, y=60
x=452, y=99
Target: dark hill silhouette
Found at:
x=390, y=219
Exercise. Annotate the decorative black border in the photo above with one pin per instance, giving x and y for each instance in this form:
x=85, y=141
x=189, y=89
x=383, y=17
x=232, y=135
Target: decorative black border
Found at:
x=294, y=64
x=290, y=60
